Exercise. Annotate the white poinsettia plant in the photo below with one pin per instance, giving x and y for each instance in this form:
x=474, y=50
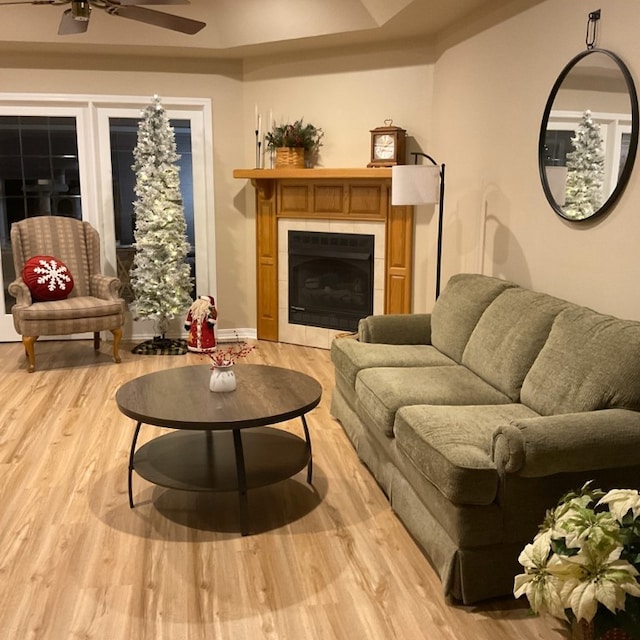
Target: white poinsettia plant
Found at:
x=584, y=563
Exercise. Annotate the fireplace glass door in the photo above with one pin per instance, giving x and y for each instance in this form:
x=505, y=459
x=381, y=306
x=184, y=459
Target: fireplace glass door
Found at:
x=330, y=279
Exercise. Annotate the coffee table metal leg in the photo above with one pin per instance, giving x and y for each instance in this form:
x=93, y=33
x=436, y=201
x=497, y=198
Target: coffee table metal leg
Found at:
x=131, y=455
x=210, y=458
x=308, y=439
x=242, y=482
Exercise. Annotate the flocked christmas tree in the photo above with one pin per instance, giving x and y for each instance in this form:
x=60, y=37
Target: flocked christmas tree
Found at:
x=585, y=171
x=160, y=276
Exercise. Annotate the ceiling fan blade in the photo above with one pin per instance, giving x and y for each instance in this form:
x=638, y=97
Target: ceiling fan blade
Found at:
x=128, y=3
x=31, y=2
x=70, y=26
x=158, y=18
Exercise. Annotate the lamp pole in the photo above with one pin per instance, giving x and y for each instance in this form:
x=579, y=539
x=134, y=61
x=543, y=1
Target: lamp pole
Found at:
x=415, y=155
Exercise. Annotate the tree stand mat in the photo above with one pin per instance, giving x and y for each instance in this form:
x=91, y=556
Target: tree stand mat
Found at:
x=159, y=346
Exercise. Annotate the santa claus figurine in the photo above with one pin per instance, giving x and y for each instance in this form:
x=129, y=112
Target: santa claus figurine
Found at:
x=200, y=324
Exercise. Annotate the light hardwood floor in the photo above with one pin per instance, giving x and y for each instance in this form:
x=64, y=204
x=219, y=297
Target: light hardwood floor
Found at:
x=77, y=563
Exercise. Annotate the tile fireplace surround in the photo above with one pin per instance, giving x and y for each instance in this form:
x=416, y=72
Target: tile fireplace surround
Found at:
x=334, y=200
x=319, y=336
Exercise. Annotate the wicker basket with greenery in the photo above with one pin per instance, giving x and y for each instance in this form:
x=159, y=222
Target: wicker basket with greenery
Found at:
x=288, y=139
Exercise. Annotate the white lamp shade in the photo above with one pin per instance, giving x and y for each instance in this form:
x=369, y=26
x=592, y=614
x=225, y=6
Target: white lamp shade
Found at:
x=415, y=184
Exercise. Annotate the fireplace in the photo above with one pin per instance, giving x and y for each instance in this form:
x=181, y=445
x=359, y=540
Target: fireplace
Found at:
x=330, y=279
x=327, y=200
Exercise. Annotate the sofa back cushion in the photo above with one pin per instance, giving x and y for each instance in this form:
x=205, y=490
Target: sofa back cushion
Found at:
x=459, y=308
x=590, y=361
x=508, y=337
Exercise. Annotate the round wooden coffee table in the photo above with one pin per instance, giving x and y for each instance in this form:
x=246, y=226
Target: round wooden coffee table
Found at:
x=222, y=441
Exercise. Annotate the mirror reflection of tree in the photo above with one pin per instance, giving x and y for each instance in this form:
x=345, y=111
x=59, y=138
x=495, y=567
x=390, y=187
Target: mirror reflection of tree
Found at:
x=585, y=171
x=597, y=82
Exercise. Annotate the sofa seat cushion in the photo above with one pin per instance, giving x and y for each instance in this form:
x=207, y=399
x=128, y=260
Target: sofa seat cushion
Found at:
x=509, y=337
x=380, y=392
x=590, y=361
x=451, y=447
x=78, y=307
x=351, y=356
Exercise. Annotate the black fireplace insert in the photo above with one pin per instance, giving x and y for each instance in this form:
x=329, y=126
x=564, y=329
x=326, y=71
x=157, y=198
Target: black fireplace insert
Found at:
x=330, y=279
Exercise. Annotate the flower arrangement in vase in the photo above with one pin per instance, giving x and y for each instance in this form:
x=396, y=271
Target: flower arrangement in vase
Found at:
x=583, y=565
x=291, y=141
x=223, y=377
x=225, y=357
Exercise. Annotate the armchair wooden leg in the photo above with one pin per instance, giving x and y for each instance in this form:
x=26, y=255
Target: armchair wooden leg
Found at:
x=117, y=334
x=96, y=340
x=29, y=347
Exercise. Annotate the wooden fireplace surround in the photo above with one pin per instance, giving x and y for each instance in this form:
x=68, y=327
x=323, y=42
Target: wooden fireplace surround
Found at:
x=328, y=194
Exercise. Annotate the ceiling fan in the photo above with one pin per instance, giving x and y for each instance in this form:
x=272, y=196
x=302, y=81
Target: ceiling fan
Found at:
x=76, y=18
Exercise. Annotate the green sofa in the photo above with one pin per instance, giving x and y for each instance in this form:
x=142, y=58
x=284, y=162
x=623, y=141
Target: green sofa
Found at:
x=476, y=418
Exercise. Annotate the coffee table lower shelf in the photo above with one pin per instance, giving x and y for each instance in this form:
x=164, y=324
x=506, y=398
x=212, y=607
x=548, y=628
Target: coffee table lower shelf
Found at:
x=222, y=461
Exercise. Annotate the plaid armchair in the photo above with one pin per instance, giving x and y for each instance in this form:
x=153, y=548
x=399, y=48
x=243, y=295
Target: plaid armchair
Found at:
x=93, y=304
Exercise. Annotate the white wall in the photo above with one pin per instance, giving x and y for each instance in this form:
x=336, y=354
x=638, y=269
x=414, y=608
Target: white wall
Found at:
x=490, y=93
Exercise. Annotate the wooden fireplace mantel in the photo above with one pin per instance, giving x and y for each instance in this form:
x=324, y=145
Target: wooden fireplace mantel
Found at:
x=361, y=194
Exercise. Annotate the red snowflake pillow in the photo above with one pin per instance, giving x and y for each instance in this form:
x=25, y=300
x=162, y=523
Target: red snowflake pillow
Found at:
x=47, y=278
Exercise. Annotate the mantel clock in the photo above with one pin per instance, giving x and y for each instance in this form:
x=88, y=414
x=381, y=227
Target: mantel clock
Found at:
x=387, y=145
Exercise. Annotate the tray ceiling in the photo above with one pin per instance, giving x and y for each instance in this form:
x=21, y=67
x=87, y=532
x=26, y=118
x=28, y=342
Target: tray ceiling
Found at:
x=244, y=28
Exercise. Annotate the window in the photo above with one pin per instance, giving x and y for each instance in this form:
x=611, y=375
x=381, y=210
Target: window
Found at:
x=39, y=175
x=39, y=172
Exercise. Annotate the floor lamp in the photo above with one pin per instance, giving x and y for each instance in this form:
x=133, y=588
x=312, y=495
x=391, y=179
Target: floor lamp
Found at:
x=413, y=184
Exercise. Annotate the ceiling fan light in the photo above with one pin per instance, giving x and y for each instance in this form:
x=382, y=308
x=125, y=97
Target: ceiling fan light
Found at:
x=80, y=10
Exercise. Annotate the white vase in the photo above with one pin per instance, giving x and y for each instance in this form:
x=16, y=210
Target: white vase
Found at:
x=222, y=379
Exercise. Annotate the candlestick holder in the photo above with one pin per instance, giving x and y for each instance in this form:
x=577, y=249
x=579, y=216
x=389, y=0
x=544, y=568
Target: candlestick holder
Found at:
x=258, y=145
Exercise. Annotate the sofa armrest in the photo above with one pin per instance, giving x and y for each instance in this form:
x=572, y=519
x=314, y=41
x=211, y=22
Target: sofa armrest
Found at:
x=398, y=328
x=104, y=287
x=572, y=442
x=19, y=290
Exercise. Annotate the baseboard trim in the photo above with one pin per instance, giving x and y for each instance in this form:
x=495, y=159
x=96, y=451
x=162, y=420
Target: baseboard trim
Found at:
x=236, y=335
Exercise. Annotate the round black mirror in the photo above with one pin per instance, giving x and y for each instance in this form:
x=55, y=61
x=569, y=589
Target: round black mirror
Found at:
x=589, y=135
